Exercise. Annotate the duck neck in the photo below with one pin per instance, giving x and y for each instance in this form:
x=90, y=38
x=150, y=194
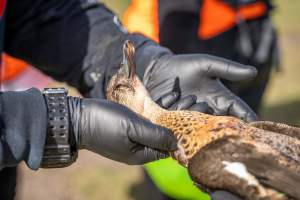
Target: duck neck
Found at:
x=151, y=110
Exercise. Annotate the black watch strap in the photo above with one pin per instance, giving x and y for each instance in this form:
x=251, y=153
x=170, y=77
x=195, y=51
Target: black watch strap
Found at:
x=60, y=149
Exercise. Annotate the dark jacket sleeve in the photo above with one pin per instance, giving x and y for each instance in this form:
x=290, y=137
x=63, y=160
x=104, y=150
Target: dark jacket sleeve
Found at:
x=76, y=41
x=23, y=121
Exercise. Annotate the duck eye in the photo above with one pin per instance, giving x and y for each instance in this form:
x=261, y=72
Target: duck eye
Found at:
x=120, y=87
x=123, y=88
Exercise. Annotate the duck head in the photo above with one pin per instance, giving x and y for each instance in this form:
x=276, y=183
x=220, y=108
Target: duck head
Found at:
x=126, y=88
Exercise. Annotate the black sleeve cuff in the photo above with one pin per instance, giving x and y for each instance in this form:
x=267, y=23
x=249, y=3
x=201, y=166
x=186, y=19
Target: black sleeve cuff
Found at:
x=23, y=126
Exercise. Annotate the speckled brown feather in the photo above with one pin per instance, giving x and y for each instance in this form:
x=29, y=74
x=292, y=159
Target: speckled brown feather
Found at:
x=200, y=135
x=195, y=130
x=278, y=128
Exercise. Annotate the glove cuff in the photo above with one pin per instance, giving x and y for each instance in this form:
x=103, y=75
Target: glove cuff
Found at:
x=75, y=107
x=23, y=128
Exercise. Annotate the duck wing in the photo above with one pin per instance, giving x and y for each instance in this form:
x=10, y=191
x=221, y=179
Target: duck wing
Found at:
x=252, y=170
x=278, y=128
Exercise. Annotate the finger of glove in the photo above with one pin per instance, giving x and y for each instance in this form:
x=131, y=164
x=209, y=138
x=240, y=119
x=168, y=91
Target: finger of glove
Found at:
x=223, y=195
x=241, y=110
x=184, y=103
x=148, y=155
x=168, y=99
x=201, y=107
x=228, y=70
x=154, y=136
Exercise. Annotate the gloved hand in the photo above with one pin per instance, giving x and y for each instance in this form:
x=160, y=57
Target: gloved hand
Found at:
x=158, y=68
x=174, y=101
x=198, y=75
x=117, y=133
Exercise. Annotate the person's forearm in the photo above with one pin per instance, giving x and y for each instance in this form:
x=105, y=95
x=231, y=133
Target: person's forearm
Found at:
x=23, y=125
x=76, y=41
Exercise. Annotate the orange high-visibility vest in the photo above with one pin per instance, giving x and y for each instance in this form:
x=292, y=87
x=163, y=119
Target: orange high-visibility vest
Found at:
x=11, y=67
x=142, y=16
x=216, y=17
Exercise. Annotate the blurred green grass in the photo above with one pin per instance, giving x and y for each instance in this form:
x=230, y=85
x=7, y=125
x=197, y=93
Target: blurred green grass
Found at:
x=105, y=182
x=118, y=6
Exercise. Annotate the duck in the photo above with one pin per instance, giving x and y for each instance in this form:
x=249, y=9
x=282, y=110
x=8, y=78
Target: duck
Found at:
x=255, y=161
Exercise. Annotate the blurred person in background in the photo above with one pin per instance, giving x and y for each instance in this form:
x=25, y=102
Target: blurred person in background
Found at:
x=239, y=30
x=80, y=42
x=17, y=75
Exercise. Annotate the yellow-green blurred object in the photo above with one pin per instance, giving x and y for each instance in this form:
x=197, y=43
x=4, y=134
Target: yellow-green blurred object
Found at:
x=173, y=180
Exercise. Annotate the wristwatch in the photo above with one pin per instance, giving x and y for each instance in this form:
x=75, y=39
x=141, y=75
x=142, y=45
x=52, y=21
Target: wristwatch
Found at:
x=60, y=147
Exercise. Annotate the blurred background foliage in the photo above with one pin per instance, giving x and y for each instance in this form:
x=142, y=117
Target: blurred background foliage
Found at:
x=94, y=178
x=282, y=99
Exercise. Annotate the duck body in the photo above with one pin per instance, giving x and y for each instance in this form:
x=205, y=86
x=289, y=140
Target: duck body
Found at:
x=195, y=130
x=226, y=153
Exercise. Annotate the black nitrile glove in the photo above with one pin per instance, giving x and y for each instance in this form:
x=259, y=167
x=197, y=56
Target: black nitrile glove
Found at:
x=199, y=75
x=117, y=133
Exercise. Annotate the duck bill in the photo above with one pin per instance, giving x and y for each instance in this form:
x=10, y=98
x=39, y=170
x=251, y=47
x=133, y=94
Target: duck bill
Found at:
x=128, y=65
